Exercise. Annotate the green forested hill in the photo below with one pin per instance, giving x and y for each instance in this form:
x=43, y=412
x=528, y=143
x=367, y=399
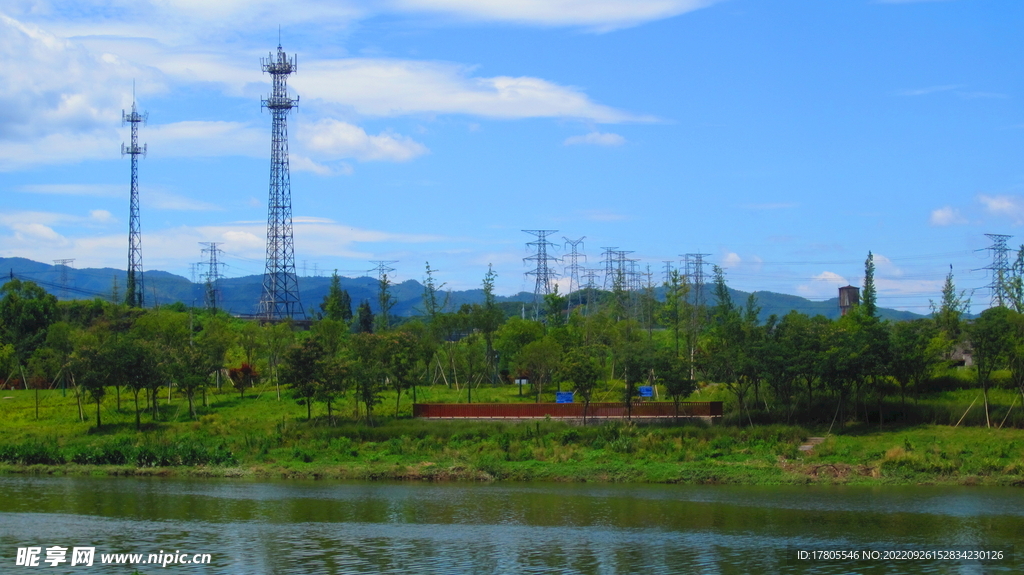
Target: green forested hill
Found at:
x=240, y=295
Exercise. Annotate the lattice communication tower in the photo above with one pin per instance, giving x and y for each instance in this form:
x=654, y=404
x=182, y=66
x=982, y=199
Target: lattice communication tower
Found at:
x=280, y=284
x=694, y=266
x=135, y=290
x=544, y=275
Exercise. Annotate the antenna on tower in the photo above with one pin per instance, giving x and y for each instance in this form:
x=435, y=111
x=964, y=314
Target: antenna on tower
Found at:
x=543, y=273
x=574, y=270
x=280, y=284
x=135, y=290
x=212, y=275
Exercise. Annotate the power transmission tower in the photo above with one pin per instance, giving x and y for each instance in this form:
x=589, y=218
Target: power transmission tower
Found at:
x=384, y=298
x=590, y=274
x=280, y=284
x=609, y=266
x=212, y=275
x=1000, y=266
x=695, y=273
x=573, y=269
x=62, y=265
x=667, y=274
x=382, y=267
x=543, y=273
x=135, y=290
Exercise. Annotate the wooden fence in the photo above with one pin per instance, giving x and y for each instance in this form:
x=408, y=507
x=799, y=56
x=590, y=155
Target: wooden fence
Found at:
x=641, y=409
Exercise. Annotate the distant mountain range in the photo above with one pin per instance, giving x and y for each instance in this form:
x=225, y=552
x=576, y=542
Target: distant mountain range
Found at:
x=241, y=295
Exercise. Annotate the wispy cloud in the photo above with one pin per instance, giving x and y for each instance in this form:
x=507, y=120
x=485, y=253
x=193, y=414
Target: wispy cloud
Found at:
x=946, y=216
x=602, y=216
x=596, y=139
x=94, y=190
x=825, y=284
x=334, y=139
x=928, y=90
x=770, y=206
x=600, y=15
x=1004, y=205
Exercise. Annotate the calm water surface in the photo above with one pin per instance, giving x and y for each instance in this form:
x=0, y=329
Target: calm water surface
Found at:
x=332, y=527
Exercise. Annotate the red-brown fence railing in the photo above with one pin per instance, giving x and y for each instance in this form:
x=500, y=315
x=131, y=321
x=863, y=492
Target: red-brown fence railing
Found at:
x=565, y=410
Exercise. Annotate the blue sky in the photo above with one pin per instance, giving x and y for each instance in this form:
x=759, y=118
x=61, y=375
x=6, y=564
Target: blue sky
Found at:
x=783, y=138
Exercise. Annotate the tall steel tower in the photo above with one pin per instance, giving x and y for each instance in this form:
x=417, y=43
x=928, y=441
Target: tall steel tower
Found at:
x=280, y=284
x=212, y=275
x=575, y=270
x=1000, y=286
x=135, y=289
x=543, y=273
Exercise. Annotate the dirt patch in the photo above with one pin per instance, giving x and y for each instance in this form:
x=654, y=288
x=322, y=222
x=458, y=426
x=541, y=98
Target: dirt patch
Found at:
x=830, y=471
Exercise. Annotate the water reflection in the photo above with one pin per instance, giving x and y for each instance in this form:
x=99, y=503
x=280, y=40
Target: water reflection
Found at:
x=335, y=528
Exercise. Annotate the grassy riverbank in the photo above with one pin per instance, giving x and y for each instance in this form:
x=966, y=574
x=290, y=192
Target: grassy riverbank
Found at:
x=259, y=436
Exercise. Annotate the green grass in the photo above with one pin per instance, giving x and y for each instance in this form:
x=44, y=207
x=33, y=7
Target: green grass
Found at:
x=261, y=436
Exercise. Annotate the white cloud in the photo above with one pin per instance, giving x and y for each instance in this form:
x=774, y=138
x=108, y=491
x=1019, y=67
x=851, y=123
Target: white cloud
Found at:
x=602, y=216
x=946, y=216
x=595, y=14
x=334, y=139
x=392, y=87
x=596, y=138
x=168, y=201
x=770, y=206
x=1004, y=205
x=928, y=90
x=101, y=216
x=206, y=138
x=731, y=260
x=95, y=190
x=826, y=284
x=885, y=267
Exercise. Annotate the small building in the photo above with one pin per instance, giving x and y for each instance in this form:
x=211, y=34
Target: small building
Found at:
x=849, y=296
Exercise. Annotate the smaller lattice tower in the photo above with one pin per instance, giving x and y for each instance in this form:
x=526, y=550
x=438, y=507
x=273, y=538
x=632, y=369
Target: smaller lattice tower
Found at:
x=135, y=288
x=213, y=274
x=543, y=274
x=280, y=284
x=1000, y=268
x=667, y=274
x=574, y=270
x=64, y=265
x=590, y=275
x=694, y=265
x=609, y=266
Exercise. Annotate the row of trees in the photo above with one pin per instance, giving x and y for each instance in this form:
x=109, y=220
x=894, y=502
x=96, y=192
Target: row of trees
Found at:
x=786, y=368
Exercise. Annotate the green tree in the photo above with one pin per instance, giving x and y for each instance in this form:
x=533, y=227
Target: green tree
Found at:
x=540, y=359
x=991, y=341
x=26, y=311
x=948, y=315
x=385, y=301
x=487, y=318
x=303, y=370
x=337, y=304
x=913, y=356
x=674, y=373
x=191, y=371
x=580, y=369
x=364, y=318
x=432, y=305
x=869, y=295
x=673, y=312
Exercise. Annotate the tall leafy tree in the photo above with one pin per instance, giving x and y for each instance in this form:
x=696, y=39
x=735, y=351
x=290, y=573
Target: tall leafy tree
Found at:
x=385, y=301
x=337, y=304
x=26, y=311
x=869, y=295
x=580, y=369
x=673, y=312
x=364, y=318
x=487, y=318
x=991, y=341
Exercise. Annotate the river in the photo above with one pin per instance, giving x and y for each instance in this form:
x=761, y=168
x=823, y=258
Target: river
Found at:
x=295, y=527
